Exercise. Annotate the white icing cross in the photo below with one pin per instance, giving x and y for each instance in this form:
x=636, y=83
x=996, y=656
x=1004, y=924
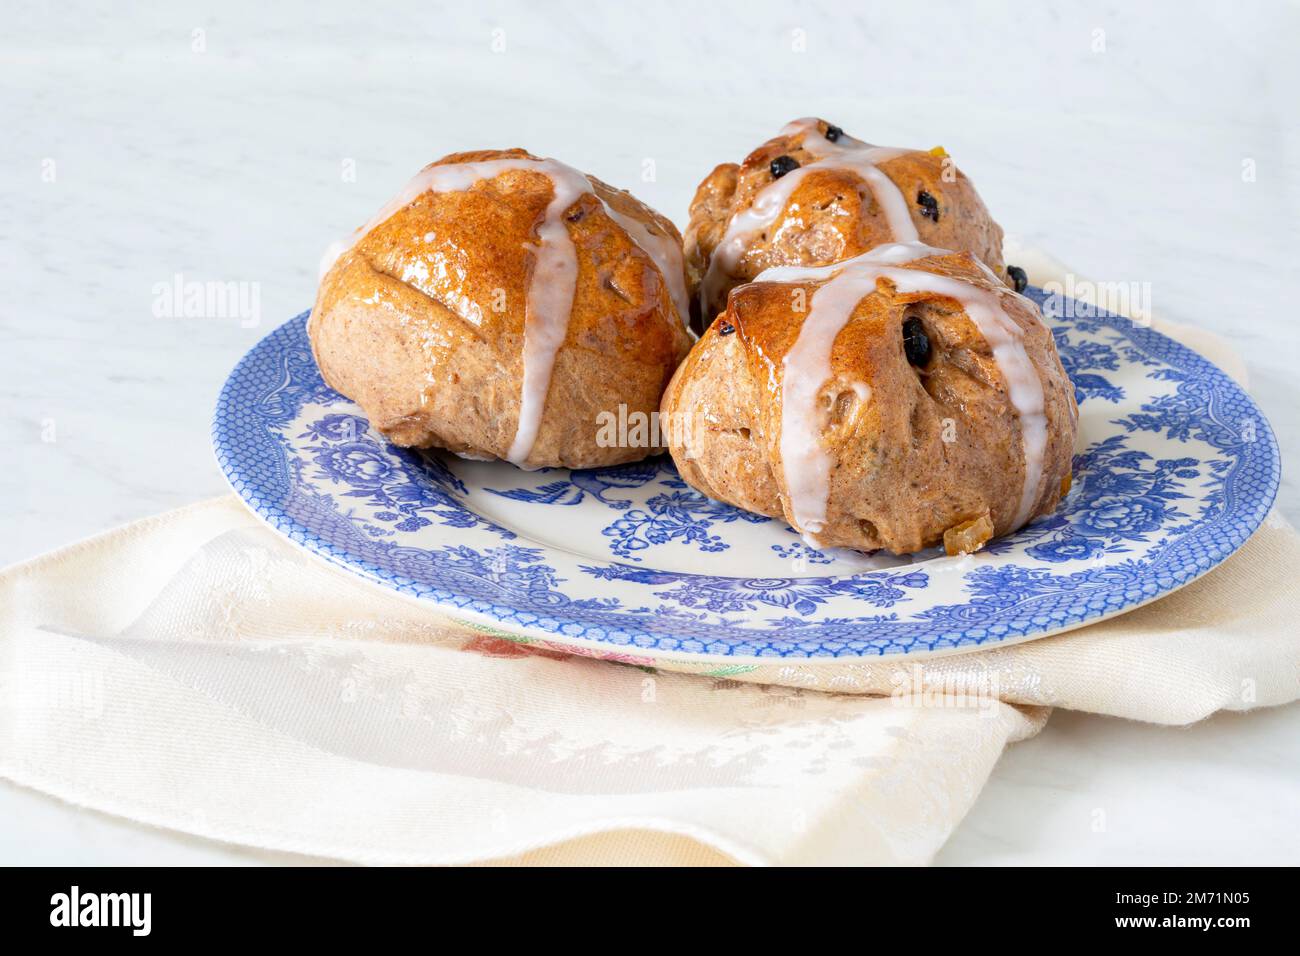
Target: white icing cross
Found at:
x=555, y=271
x=845, y=153
x=807, y=367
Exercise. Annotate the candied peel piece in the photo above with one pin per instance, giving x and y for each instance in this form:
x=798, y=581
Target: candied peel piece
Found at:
x=939, y=151
x=968, y=536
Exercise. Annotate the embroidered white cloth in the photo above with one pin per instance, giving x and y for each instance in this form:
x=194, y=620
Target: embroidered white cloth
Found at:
x=193, y=671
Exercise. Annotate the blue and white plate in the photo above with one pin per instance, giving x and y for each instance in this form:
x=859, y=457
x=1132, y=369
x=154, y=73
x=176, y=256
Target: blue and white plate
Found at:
x=1176, y=467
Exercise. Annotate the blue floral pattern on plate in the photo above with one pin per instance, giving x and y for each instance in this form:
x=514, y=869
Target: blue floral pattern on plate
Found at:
x=1177, y=468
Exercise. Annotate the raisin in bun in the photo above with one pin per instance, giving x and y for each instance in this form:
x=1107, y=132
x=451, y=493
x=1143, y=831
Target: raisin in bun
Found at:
x=898, y=400
x=814, y=195
x=498, y=306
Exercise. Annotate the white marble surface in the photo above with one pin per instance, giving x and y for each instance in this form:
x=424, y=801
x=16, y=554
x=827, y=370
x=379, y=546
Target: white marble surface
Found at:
x=136, y=149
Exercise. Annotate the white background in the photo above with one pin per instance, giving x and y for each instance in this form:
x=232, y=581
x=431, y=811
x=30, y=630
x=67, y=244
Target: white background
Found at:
x=1113, y=135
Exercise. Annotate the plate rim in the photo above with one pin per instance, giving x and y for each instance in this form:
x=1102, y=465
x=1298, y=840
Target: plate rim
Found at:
x=527, y=634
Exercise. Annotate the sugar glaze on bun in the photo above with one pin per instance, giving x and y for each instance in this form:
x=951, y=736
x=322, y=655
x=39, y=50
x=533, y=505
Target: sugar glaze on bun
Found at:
x=814, y=195
x=498, y=305
x=900, y=399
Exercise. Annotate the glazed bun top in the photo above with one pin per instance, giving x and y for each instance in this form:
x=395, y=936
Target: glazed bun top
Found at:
x=494, y=280
x=814, y=195
x=880, y=402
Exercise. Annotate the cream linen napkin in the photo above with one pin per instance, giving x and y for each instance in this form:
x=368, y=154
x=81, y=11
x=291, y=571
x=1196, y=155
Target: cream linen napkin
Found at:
x=193, y=671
